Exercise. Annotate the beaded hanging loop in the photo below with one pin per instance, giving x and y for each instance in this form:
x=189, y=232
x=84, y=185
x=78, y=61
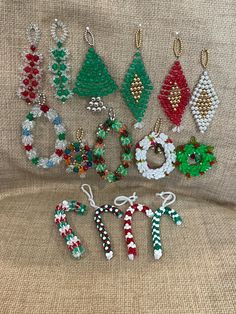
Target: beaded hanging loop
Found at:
x=174, y=95
x=93, y=79
x=78, y=155
x=31, y=72
x=194, y=159
x=65, y=230
x=168, y=199
x=99, y=210
x=137, y=86
x=204, y=100
x=112, y=124
x=134, y=207
x=59, y=67
x=38, y=110
x=160, y=142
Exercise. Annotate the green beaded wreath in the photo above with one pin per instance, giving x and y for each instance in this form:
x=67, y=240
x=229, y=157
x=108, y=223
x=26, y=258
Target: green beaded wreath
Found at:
x=99, y=150
x=194, y=159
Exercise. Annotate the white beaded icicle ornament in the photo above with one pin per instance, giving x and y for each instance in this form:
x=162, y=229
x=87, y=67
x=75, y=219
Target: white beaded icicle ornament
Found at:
x=204, y=100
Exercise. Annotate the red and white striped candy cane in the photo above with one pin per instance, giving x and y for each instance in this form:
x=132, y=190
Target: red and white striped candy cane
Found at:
x=134, y=207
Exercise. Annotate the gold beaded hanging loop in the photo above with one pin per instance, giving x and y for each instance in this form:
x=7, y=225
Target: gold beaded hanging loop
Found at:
x=204, y=58
x=138, y=37
x=178, y=46
x=88, y=36
x=157, y=126
x=79, y=134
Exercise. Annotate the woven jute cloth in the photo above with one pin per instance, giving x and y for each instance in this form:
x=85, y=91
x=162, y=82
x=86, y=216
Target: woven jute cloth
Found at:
x=197, y=272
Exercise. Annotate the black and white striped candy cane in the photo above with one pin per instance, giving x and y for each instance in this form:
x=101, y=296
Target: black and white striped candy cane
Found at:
x=106, y=242
x=169, y=198
x=134, y=207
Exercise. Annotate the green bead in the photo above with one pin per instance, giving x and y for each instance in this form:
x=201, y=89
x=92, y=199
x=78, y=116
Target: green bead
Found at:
x=79, y=158
x=55, y=66
x=63, y=66
x=35, y=160
x=61, y=136
x=59, y=44
x=30, y=116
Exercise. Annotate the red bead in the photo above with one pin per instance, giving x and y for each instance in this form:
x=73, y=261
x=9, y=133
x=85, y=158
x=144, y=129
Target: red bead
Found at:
x=196, y=145
x=34, y=83
x=212, y=163
x=84, y=157
x=177, y=163
x=44, y=108
x=100, y=141
x=32, y=47
x=30, y=76
x=26, y=81
x=169, y=140
x=188, y=175
x=27, y=69
x=29, y=56
x=192, y=156
x=59, y=152
x=87, y=148
x=201, y=173
x=32, y=64
x=28, y=100
x=28, y=147
x=36, y=58
x=85, y=167
x=30, y=88
x=32, y=95
x=35, y=71
x=24, y=93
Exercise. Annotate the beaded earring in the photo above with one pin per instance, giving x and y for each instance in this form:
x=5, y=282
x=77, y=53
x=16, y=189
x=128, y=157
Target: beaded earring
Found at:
x=137, y=86
x=161, y=143
x=59, y=67
x=174, y=95
x=99, y=210
x=112, y=124
x=65, y=230
x=204, y=100
x=31, y=72
x=42, y=109
x=194, y=158
x=78, y=155
x=93, y=79
x=134, y=207
x=168, y=199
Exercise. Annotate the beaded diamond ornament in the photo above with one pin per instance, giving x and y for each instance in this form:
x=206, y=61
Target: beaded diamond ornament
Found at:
x=31, y=72
x=134, y=207
x=112, y=124
x=99, y=210
x=204, y=100
x=161, y=143
x=137, y=86
x=168, y=199
x=59, y=67
x=174, y=95
x=93, y=79
x=194, y=159
x=38, y=110
x=65, y=230
x=78, y=156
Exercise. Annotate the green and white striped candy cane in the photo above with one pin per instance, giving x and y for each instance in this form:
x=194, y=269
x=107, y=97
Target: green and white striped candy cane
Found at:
x=169, y=198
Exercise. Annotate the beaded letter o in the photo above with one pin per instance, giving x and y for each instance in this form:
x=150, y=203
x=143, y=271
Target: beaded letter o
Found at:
x=99, y=149
x=27, y=137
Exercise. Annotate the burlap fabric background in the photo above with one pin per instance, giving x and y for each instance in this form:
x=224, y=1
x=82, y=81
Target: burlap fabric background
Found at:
x=197, y=272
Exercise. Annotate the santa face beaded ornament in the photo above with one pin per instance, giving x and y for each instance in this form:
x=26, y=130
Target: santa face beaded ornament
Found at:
x=204, y=100
x=161, y=143
x=137, y=86
x=31, y=72
x=93, y=79
x=174, y=95
x=78, y=156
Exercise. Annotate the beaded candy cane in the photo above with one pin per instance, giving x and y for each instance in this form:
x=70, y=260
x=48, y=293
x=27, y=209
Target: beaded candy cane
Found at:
x=169, y=198
x=72, y=241
x=134, y=207
x=99, y=210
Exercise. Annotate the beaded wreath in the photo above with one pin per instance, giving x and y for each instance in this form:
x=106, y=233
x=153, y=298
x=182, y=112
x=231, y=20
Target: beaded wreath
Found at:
x=99, y=150
x=72, y=241
x=194, y=158
x=78, y=158
x=27, y=137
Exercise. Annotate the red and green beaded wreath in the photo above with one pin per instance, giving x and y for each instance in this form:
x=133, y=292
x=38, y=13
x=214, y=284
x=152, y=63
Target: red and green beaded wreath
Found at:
x=194, y=159
x=99, y=150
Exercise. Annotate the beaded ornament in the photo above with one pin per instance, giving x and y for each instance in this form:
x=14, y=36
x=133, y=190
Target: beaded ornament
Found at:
x=65, y=230
x=174, y=95
x=99, y=210
x=194, y=158
x=137, y=86
x=161, y=143
x=78, y=156
x=168, y=199
x=93, y=79
x=99, y=149
x=204, y=100
x=37, y=111
x=60, y=67
x=134, y=207
x=31, y=72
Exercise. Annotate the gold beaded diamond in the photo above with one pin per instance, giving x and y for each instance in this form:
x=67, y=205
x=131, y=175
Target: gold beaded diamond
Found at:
x=136, y=88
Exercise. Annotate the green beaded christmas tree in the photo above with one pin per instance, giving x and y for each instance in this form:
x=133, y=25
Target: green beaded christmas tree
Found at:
x=137, y=86
x=93, y=79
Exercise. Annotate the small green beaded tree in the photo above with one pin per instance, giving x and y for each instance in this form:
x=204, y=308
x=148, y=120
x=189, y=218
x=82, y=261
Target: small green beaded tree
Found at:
x=137, y=86
x=93, y=79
